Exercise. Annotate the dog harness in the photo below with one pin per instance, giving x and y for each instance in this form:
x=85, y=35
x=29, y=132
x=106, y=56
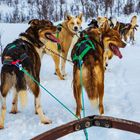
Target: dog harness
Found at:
x=9, y=61
x=58, y=44
x=82, y=48
x=59, y=26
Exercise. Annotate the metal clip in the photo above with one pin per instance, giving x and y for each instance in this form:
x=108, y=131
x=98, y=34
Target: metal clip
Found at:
x=87, y=124
x=19, y=66
x=77, y=127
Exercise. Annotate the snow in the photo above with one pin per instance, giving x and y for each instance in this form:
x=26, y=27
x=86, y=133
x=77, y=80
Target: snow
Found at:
x=121, y=97
x=3, y=7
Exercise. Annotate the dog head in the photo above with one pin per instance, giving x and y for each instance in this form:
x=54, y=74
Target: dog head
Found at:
x=45, y=30
x=93, y=23
x=48, y=33
x=101, y=21
x=134, y=21
x=111, y=39
x=36, y=22
x=74, y=23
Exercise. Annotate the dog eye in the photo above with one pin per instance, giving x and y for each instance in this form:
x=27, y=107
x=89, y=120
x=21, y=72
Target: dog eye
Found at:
x=78, y=23
x=116, y=38
x=72, y=23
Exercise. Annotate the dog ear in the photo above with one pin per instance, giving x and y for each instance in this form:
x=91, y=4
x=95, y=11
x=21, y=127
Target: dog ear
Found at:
x=98, y=19
x=46, y=22
x=33, y=22
x=106, y=18
x=105, y=27
x=69, y=17
x=80, y=16
x=116, y=28
x=133, y=20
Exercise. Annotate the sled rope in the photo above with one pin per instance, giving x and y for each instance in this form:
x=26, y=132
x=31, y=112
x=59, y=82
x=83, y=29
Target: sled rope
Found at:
x=83, y=103
x=58, y=55
x=29, y=75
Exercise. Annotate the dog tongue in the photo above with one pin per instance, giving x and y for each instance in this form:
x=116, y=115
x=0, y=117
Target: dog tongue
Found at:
x=116, y=51
x=53, y=38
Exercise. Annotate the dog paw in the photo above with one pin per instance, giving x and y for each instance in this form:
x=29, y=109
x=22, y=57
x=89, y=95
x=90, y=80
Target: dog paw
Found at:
x=79, y=116
x=13, y=112
x=101, y=109
x=1, y=123
x=62, y=78
x=64, y=75
x=1, y=127
x=36, y=113
x=45, y=120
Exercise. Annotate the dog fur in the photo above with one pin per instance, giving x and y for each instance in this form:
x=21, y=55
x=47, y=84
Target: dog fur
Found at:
x=29, y=43
x=92, y=68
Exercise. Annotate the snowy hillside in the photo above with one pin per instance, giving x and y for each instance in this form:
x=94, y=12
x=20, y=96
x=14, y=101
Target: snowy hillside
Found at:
x=122, y=96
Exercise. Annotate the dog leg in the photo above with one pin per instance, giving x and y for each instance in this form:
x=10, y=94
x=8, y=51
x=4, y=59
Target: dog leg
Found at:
x=3, y=112
x=6, y=84
x=42, y=117
x=63, y=63
x=14, y=109
x=101, y=95
x=36, y=91
x=77, y=90
x=99, y=72
x=101, y=92
x=77, y=95
x=57, y=70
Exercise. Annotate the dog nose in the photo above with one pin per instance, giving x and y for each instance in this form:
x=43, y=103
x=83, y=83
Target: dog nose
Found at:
x=124, y=44
x=106, y=64
x=59, y=28
x=75, y=28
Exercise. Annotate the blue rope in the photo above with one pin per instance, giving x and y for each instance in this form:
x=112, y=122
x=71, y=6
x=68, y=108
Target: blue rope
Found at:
x=83, y=103
x=23, y=70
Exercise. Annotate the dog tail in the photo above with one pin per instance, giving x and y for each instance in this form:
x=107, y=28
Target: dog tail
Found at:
x=90, y=83
x=23, y=98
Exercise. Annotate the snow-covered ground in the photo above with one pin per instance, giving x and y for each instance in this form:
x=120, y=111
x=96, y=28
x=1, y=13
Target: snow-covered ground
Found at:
x=121, y=99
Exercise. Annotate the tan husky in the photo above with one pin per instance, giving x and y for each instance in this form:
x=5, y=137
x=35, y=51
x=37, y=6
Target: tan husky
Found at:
x=69, y=28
